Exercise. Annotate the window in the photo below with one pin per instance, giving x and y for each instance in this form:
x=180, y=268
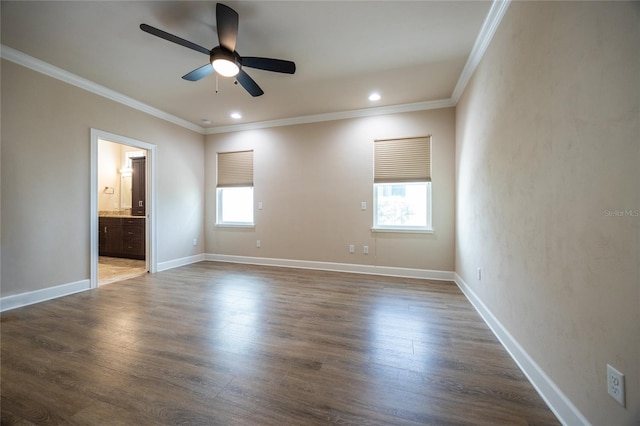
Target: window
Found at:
x=235, y=206
x=235, y=189
x=401, y=205
x=402, y=185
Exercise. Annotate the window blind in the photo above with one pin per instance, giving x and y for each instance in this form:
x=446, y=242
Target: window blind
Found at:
x=235, y=169
x=402, y=160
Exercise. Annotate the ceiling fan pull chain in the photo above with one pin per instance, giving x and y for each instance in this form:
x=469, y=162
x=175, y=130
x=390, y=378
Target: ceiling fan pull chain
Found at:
x=216, y=83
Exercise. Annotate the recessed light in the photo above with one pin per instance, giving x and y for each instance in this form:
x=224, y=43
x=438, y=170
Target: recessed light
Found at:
x=374, y=97
x=236, y=115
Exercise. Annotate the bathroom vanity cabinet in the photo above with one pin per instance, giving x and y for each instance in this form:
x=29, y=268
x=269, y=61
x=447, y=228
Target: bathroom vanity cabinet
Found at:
x=122, y=237
x=138, y=186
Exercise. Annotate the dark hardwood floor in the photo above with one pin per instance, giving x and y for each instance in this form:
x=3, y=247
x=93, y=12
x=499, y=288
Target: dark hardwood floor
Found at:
x=215, y=343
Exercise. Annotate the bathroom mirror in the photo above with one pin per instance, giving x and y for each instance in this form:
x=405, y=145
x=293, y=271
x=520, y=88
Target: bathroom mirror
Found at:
x=125, y=190
x=126, y=184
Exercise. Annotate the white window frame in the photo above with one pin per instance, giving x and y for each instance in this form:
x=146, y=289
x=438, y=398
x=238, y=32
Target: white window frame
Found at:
x=219, y=207
x=428, y=229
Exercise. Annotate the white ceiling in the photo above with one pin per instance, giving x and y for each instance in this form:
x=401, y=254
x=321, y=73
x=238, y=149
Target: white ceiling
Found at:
x=409, y=52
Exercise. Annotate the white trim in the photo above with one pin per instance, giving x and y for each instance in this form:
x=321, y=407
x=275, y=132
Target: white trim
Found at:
x=357, y=113
x=561, y=406
x=163, y=266
x=37, y=296
x=93, y=209
x=150, y=228
x=404, y=230
x=336, y=267
x=45, y=68
x=489, y=27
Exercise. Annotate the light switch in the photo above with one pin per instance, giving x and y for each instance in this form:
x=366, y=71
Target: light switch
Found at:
x=363, y=205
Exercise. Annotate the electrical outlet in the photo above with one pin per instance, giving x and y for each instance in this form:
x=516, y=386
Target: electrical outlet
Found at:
x=615, y=384
x=195, y=242
x=363, y=205
x=352, y=248
x=258, y=243
x=365, y=249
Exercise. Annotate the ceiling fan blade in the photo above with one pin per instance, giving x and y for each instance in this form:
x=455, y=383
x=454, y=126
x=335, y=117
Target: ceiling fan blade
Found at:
x=199, y=73
x=227, y=24
x=269, y=64
x=248, y=83
x=175, y=39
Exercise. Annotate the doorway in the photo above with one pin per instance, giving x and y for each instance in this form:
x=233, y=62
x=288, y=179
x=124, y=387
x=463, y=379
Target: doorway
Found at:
x=122, y=208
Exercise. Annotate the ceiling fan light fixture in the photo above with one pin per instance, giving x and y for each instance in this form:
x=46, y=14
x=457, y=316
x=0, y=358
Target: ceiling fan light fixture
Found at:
x=224, y=62
x=225, y=67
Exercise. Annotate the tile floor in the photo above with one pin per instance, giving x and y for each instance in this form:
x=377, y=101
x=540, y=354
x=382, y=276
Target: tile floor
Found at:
x=112, y=269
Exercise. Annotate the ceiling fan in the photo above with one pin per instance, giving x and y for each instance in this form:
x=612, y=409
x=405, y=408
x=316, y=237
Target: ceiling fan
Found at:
x=224, y=59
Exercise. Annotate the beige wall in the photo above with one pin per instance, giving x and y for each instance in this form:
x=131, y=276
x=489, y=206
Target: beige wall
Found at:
x=45, y=179
x=547, y=142
x=312, y=178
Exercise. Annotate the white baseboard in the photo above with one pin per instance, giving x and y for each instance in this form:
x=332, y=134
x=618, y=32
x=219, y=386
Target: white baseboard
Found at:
x=336, y=267
x=163, y=266
x=29, y=298
x=36, y=296
x=557, y=401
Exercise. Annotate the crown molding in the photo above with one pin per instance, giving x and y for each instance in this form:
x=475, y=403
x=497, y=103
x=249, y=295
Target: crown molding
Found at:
x=356, y=113
x=489, y=27
x=42, y=67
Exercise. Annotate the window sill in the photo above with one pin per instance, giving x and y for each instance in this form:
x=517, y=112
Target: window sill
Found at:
x=404, y=230
x=235, y=225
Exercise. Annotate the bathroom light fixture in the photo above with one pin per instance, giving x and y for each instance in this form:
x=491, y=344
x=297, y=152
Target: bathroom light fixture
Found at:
x=374, y=97
x=224, y=62
x=236, y=115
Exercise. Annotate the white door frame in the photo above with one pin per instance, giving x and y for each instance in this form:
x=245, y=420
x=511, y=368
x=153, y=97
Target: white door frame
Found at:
x=150, y=233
